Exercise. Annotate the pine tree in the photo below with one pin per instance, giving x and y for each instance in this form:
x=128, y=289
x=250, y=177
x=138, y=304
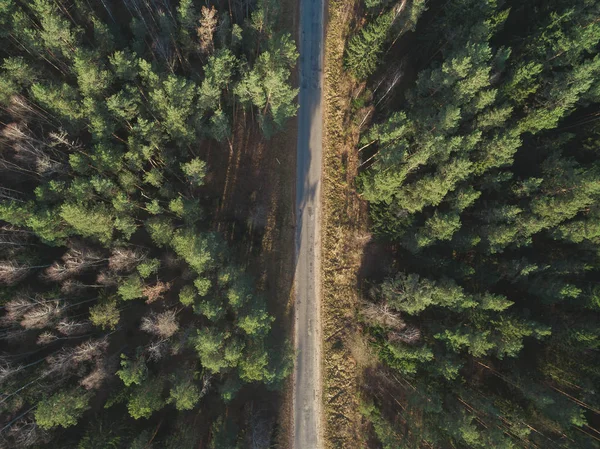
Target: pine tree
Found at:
x=62, y=409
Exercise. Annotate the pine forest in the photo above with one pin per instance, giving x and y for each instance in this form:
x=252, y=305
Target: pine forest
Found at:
x=123, y=312
x=160, y=288
x=480, y=166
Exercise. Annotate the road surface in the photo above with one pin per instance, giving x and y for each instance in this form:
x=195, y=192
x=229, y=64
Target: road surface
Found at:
x=307, y=372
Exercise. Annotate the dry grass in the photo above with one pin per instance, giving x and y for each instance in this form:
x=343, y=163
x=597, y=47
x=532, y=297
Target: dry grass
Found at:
x=344, y=231
x=362, y=352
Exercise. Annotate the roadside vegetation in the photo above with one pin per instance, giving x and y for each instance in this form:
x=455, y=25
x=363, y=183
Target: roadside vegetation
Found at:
x=479, y=161
x=127, y=321
x=343, y=237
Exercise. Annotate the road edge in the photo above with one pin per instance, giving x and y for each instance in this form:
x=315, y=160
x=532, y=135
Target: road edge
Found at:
x=343, y=235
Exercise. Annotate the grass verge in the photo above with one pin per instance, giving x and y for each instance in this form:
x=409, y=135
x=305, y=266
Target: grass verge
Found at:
x=344, y=235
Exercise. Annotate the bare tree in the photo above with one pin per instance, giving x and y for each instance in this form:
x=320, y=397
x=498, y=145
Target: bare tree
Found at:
x=123, y=260
x=11, y=272
x=6, y=371
x=163, y=325
x=206, y=384
x=20, y=108
x=31, y=154
x=383, y=315
x=74, y=287
x=157, y=350
x=103, y=369
x=42, y=315
x=24, y=432
x=260, y=427
x=76, y=260
x=107, y=279
x=46, y=338
x=90, y=350
x=70, y=327
x=16, y=308
x=60, y=138
x=13, y=236
x=67, y=359
x=410, y=335
x=61, y=362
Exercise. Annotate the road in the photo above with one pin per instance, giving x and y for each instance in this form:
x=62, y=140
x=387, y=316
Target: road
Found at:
x=307, y=432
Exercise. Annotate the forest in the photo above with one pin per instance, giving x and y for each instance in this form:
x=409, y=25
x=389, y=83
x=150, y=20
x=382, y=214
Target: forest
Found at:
x=480, y=148
x=127, y=320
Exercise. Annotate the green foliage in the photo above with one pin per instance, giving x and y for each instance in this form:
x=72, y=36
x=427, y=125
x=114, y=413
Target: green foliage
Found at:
x=102, y=434
x=131, y=287
x=148, y=268
x=61, y=409
x=483, y=187
x=224, y=434
x=195, y=171
x=133, y=372
x=108, y=111
x=210, y=345
x=364, y=49
x=105, y=314
x=89, y=222
x=184, y=394
x=411, y=294
x=197, y=250
x=146, y=398
x=266, y=87
x=161, y=230
x=256, y=320
x=386, y=435
x=187, y=295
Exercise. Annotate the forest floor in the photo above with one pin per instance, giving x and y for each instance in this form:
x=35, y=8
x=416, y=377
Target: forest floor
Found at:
x=255, y=213
x=344, y=237
x=255, y=193
x=257, y=201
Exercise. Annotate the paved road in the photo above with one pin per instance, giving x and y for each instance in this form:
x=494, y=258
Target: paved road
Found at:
x=307, y=385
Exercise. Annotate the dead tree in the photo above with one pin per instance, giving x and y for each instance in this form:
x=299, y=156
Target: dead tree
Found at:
x=73, y=287
x=163, y=325
x=13, y=236
x=23, y=431
x=107, y=279
x=70, y=327
x=206, y=384
x=12, y=273
x=156, y=291
x=90, y=350
x=206, y=30
x=42, y=315
x=383, y=315
x=157, y=349
x=260, y=427
x=76, y=260
x=123, y=260
x=410, y=335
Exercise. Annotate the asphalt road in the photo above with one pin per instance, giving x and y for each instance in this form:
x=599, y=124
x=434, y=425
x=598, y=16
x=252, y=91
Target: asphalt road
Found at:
x=307, y=372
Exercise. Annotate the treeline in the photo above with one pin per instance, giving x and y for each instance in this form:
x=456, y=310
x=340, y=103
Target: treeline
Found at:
x=483, y=177
x=119, y=303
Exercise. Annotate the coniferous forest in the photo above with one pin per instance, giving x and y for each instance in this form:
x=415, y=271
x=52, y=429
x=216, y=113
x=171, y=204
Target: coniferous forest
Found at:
x=127, y=321
x=482, y=172
x=130, y=319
